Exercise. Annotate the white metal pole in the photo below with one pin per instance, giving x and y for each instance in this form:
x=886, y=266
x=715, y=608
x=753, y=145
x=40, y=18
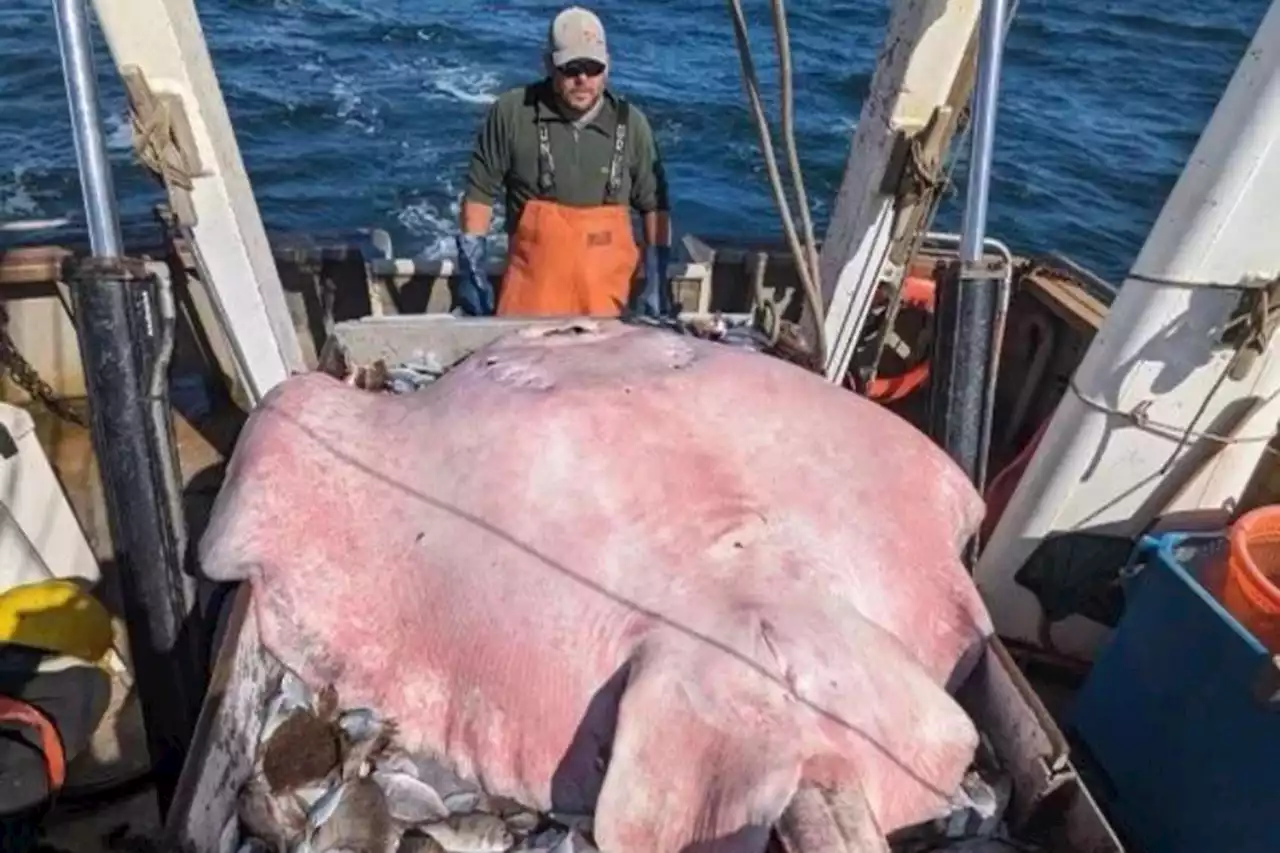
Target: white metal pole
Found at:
x=986, y=96
x=76, y=47
x=967, y=306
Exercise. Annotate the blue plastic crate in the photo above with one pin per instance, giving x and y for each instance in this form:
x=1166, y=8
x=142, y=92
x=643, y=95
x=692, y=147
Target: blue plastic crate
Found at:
x=1171, y=713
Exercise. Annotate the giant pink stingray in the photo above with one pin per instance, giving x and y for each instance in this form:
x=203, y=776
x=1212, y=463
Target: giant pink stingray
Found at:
x=676, y=583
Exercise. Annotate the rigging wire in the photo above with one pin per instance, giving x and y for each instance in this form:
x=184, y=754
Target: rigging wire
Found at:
x=807, y=263
x=782, y=37
x=805, y=257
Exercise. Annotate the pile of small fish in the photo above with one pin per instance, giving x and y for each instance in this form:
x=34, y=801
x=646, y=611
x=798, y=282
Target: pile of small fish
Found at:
x=422, y=368
x=789, y=342
x=334, y=781
x=413, y=374
x=976, y=822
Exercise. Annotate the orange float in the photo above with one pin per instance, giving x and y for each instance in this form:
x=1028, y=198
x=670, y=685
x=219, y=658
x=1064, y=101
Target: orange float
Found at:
x=1250, y=590
x=918, y=293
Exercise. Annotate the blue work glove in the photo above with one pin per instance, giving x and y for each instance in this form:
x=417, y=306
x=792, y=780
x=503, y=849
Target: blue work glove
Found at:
x=656, y=299
x=474, y=294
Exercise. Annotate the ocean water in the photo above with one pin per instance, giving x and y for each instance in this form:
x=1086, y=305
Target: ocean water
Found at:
x=356, y=114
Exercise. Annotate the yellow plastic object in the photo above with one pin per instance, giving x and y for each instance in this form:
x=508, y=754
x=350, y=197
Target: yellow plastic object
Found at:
x=56, y=615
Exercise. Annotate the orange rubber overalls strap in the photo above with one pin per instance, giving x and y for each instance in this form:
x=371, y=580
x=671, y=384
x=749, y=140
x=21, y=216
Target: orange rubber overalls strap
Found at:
x=572, y=261
x=15, y=712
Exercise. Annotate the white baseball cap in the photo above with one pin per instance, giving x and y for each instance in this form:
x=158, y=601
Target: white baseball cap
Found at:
x=576, y=34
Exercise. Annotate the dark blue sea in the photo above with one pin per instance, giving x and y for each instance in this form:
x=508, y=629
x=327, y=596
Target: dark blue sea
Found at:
x=354, y=114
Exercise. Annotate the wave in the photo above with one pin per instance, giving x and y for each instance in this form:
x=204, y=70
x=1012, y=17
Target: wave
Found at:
x=17, y=198
x=466, y=85
x=433, y=220
x=360, y=113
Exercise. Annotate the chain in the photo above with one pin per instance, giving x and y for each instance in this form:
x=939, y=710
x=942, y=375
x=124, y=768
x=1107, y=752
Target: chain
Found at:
x=26, y=377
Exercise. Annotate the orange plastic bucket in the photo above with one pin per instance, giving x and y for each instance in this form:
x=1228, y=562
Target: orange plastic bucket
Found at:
x=1251, y=584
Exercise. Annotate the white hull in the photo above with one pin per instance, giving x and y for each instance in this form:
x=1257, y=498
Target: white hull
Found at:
x=1104, y=469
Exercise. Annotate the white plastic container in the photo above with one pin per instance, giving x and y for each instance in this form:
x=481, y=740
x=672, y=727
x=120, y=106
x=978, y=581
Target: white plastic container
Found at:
x=40, y=536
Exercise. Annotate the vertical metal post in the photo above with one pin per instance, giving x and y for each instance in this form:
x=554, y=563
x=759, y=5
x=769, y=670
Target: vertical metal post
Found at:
x=121, y=336
x=76, y=47
x=124, y=346
x=962, y=368
x=986, y=96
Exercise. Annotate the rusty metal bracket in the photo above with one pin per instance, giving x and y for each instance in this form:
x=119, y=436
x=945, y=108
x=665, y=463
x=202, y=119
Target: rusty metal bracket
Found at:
x=767, y=309
x=163, y=141
x=984, y=269
x=915, y=177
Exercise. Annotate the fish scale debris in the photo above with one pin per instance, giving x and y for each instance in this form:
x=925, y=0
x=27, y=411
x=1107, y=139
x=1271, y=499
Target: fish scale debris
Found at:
x=423, y=368
x=394, y=800
x=388, y=804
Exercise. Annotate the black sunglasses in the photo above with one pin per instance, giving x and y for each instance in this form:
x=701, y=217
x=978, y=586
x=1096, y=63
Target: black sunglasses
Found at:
x=585, y=68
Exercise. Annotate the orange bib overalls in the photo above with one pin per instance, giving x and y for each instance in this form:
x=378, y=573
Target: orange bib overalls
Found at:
x=571, y=261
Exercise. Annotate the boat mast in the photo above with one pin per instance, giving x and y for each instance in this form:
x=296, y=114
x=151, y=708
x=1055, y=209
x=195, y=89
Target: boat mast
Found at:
x=1171, y=408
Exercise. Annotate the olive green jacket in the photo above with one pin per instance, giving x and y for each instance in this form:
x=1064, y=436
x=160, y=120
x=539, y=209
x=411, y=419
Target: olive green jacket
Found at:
x=505, y=156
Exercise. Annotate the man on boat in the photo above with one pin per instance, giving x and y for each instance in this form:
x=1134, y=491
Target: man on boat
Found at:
x=572, y=158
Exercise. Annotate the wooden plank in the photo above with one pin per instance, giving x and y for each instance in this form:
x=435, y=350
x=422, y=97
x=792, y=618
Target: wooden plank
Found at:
x=159, y=48
x=32, y=265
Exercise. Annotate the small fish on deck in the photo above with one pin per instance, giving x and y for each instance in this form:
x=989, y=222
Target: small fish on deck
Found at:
x=332, y=780
x=411, y=800
x=557, y=841
x=473, y=833
x=352, y=817
x=416, y=843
